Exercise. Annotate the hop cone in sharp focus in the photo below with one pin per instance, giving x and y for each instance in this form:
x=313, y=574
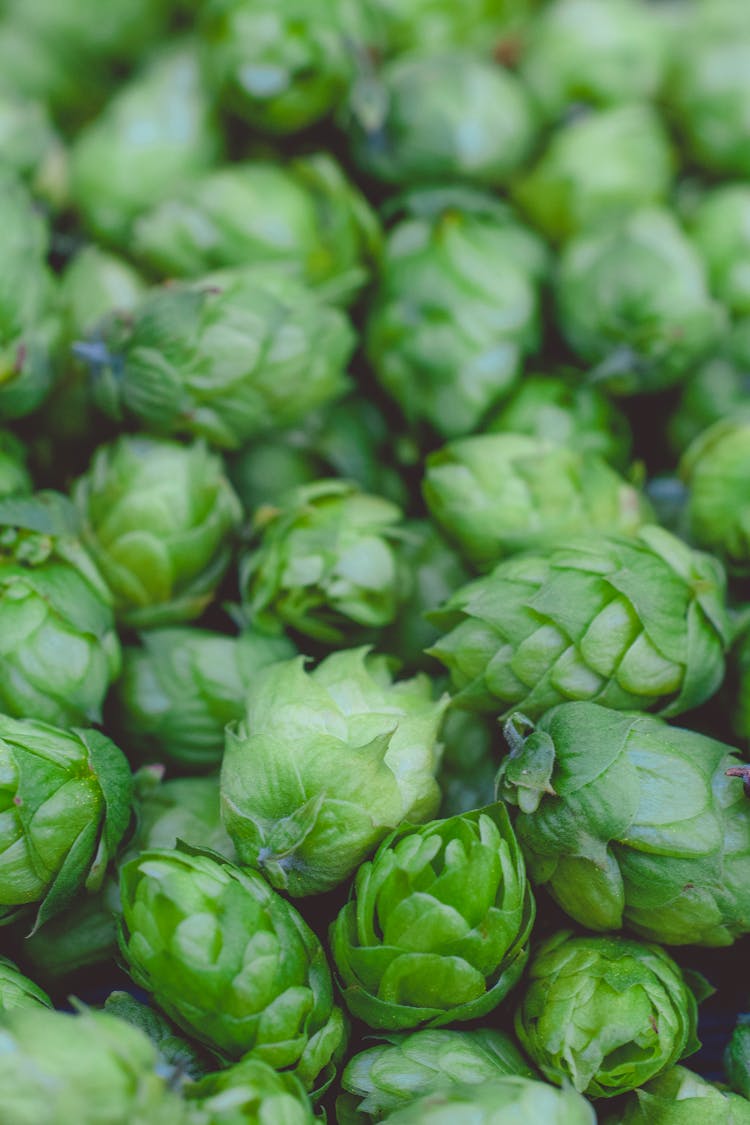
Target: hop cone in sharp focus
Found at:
x=637, y=623
x=630, y=822
x=437, y=927
x=231, y=962
x=605, y=1014
x=326, y=764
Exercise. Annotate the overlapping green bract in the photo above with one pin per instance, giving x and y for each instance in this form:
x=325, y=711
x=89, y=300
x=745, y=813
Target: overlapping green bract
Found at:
x=65, y=801
x=157, y=131
x=52, y=600
x=716, y=469
x=185, y=809
x=326, y=563
x=720, y=228
x=628, y=623
x=605, y=1014
x=630, y=822
x=680, y=1097
x=158, y=519
x=249, y=1093
x=281, y=68
x=226, y=359
x=305, y=218
x=632, y=297
x=180, y=688
x=437, y=927
x=326, y=764
x=718, y=388
x=90, y=1066
x=389, y=1075
x=737, y=1058
x=456, y=309
x=231, y=962
x=17, y=991
x=450, y=115
x=515, y=1098
x=494, y=495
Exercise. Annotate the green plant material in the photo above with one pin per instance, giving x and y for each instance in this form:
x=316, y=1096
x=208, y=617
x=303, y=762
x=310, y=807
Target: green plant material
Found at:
x=158, y=518
x=326, y=563
x=605, y=1014
x=182, y=809
x=180, y=688
x=630, y=822
x=716, y=469
x=281, y=69
x=350, y=439
x=52, y=600
x=386, y=1077
x=92, y=1067
x=720, y=228
x=183, y=1058
x=708, y=93
x=15, y=479
x=305, y=217
x=28, y=326
x=83, y=935
x=680, y=1097
x=431, y=117
x=740, y=671
x=231, y=962
x=595, y=168
x=326, y=764
x=737, y=1059
x=31, y=149
x=249, y=1093
x=456, y=309
x=227, y=359
x=435, y=25
x=636, y=623
x=509, y=1098
x=469, y=764
x=66, y=802
x=718, y=388
x=157, y=132
x=17, y=991
x=437, y=927
x=632, y=298
x=601, y=54
x=565, y=410
x=494, y=495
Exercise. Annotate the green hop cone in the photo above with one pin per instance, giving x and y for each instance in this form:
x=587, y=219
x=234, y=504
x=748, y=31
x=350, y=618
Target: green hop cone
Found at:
x=305, y=218
x=185, y=1059
x=249, y=1093
x=456, y=309
x=52, y=600
x=483, y=25
x=31, y=149
x=437, y=927
x=386, y=1077
x=718, y=388
x=632, y=298
x=494, y=495
x=156, y=132
x=453, y=115
x=230, y=962
x=564, y=410
x=28, y=325
x=597, y=167
x=737, y=1059
x=92, y=1067
x=636, y=623
x=605, y=1014
x=680, y=1097
x=326, y=563
x=326, y=764
x=227, y=359
x=14, y=476
x=630, y=822
x=17, y=991
x=281, y=69
x=720, y=228
x=716, y=470
x=158, y=518
x=183, y=809
x=66, y=802
x=512, y=1098
x=597, y=53
x=180, y=688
